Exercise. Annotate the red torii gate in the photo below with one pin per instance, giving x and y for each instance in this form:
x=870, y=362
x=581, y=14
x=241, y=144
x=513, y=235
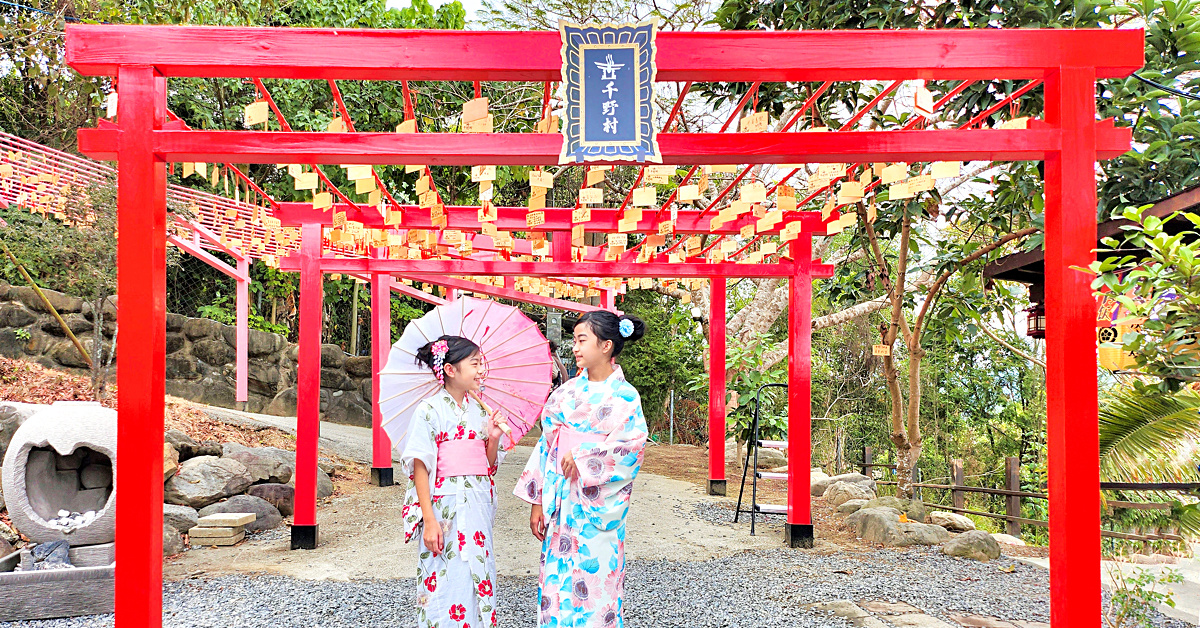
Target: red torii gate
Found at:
x=1069, y=139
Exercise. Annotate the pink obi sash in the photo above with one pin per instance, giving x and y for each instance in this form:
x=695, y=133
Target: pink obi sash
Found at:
x=462, y=456
x=567, y=439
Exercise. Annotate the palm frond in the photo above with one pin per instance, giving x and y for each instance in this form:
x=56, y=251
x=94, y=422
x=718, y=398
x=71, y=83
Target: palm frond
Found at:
x=1148, y=437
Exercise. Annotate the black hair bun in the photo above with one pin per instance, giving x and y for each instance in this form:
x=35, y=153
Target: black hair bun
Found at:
x=639, y=328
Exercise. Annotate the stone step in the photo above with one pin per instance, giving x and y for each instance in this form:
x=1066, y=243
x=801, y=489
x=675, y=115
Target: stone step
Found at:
x=226, y=520
x=230, y=540
x=215, y=533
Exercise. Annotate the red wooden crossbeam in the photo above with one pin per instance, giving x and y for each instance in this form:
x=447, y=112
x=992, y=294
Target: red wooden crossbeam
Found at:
x=416, y=55
x=604, y=220
x=467, y=149
x=545, y=269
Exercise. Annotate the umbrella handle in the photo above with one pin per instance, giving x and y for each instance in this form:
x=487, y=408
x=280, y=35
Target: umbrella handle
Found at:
x=500, y=422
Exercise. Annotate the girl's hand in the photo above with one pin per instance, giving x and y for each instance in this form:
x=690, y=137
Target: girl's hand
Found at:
x=537, y=522
x=570, y=470
x=432, y=537
x=492, y=426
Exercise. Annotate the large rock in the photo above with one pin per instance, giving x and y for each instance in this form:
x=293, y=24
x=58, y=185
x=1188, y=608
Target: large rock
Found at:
x=358, y=366
x=182, y=518
x=882, y=525
x=280, y=496
x=839, y=493
x=852, y=506
x=12, y=415
x=818, y=486
x=329, y=466
x=953, y=522
x=197, y=328
x=284, y=403
x=205, y=479
x=817, y=475
x=264, y=466
x=324, y=485
x=189, y=448
x=976, y=545
x=172, y=542
x=332, y=356
x=267, y=517
x=170, y=461
x=913, y=508
x=770, y=458
x=63, y=304
x=13, y=315
x=1007, y=539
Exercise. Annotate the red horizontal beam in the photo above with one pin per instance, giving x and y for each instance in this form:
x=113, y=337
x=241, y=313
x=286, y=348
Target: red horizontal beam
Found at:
x=194, y=249
x=544, y=269
x=417, y=55
x=558, y=219
x=504, y=293
x=542, y=149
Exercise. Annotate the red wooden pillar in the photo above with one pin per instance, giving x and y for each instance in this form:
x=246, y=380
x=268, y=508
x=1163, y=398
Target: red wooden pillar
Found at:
x=716, y=388
x=308, y=389
x=799, y=528
x=141, y=373
x=381, y=344
x=243, y=332
x=1072, y=439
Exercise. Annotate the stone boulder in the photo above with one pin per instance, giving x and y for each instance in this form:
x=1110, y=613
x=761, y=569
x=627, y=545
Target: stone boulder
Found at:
x=839, y=493
x=172, y=542
x=770, y=458
x=170, y=461
x=189, y=448
x=267, y=517
x=882, y=525
x=8, y=534
x=205, y=479
x=817, y=475
x=953, y=522
x=913, y=508
x=324, y=484
x=976, y=545
x=280, y=496
x=819, y=486
x=330, y=467
x=851, y=506
x=264, y=466
x=1007, y=539
x=12, y=415
x=182, y=518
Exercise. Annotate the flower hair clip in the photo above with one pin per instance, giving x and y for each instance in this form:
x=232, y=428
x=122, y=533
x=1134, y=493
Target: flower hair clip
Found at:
x=626, y=327
x=440, y=348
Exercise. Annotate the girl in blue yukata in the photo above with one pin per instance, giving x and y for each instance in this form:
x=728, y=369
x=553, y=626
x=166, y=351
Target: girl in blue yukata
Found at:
x=451, y=457
x=580, y=479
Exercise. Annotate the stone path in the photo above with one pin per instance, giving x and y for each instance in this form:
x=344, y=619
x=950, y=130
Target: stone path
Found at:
x=878, y=614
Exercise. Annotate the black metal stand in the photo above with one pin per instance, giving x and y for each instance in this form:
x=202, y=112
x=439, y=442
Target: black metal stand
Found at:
x=382, y=476
x=304, y=537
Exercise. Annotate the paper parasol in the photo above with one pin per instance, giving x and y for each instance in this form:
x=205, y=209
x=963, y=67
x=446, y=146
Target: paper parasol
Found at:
x=516, y=358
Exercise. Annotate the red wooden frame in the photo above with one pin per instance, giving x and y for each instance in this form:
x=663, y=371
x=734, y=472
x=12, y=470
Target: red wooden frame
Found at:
x=1069, y=140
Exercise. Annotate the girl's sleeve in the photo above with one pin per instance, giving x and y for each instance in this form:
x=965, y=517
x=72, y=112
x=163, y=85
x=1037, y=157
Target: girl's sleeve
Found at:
x=533, y=478
x=422, y=443
x=618, y=459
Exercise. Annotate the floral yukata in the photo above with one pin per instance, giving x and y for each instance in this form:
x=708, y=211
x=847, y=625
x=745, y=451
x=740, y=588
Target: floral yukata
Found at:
x=456, y=588
x=583, y=556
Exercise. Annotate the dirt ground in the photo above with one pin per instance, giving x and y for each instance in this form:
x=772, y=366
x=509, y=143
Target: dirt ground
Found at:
x=361, y=535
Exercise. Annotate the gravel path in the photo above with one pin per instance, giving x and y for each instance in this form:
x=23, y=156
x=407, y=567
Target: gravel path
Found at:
x=754, y=589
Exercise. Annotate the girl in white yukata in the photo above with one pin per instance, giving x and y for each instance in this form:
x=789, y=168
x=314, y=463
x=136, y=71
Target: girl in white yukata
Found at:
x=451, y=458
x=580, y=479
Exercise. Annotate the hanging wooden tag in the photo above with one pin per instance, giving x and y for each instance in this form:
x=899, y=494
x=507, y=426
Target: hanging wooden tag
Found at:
x=581, y=214
x=883, y=350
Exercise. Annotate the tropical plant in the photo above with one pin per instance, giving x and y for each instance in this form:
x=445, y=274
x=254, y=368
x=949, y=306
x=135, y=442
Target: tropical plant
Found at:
x=1149, y=436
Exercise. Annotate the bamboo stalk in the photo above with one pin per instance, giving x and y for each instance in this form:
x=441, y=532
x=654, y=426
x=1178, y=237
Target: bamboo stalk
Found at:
x=78, y=345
